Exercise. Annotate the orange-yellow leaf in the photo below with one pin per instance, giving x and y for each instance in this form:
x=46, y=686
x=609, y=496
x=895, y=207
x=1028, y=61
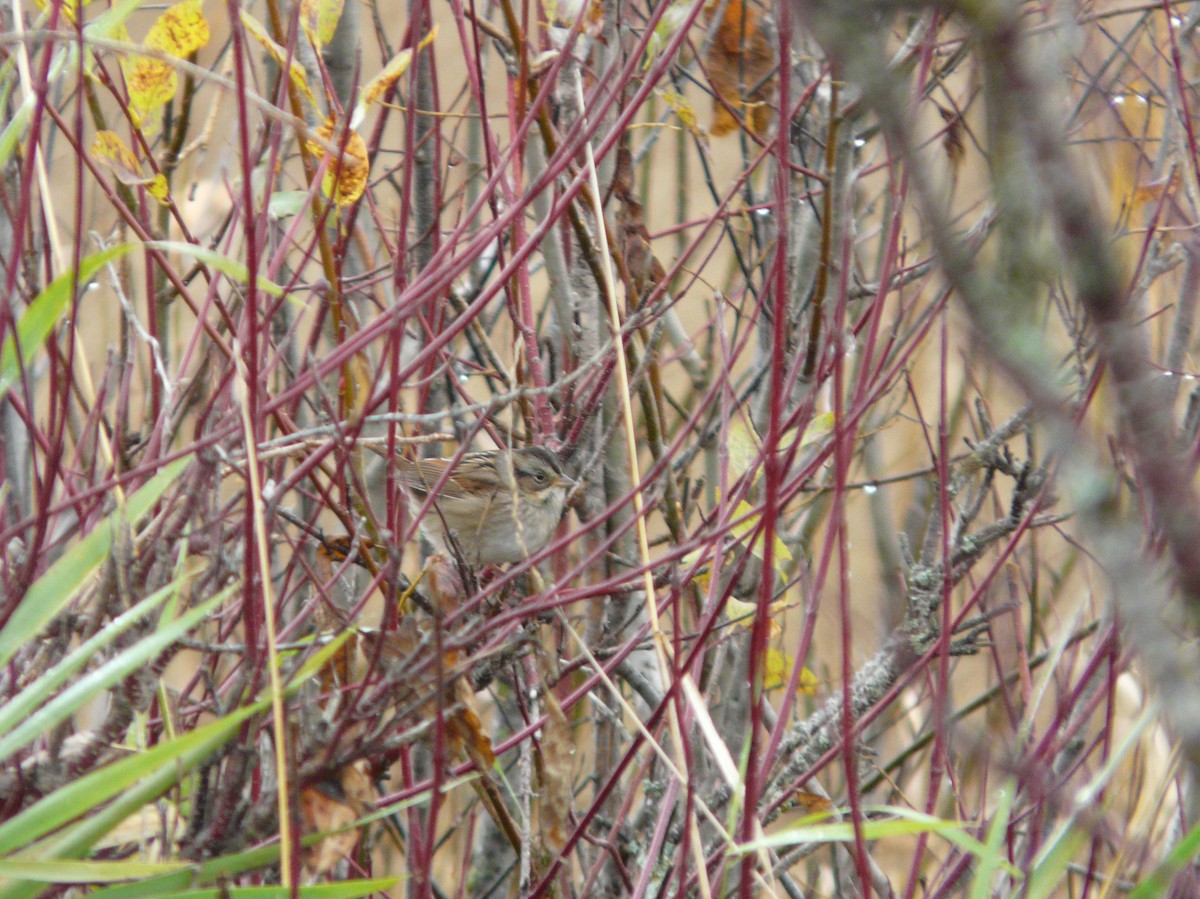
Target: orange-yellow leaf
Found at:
x=329, y=807
x=359, y=372
x=345, y=176
x=180, y=31
x=555, y=769
x=382, y=83
x=811, y=803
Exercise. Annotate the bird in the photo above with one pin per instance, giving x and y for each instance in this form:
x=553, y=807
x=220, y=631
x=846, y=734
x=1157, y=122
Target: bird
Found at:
x=497, y=506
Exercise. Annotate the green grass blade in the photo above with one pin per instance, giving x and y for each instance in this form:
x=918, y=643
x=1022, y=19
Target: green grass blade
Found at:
x=227, y=265
x=114, y=670
x=51, y=593
x=350, y=889
x=993, y=855
x=39, y=319
x=60, y=872
x=29, y=700
x=903, y=822
x=1159, y=882
x=144, y=776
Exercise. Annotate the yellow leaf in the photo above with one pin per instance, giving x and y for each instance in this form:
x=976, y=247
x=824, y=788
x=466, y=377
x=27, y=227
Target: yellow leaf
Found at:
x=744, y=447
x=820, y=426
x=742, y=614
x=157, y=188
x=672, y=20
x=808, y=682
x=683, y=110
x=777, y=670
x=741, y=528
x=180, y=31
x=739, y=612
x=319, y=18
x=703, y=576
x=257, y=31
x=378, y=86
x=110, y=149
x=152, y=82
x=70, y=8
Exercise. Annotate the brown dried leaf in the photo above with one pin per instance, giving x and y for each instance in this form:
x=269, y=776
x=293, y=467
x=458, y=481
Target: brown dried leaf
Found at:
x=741, y=67
x=332, y=805
x=467, y=730
x=638, y=261
x=811, y=803
x=555, y=767
x=952, y=142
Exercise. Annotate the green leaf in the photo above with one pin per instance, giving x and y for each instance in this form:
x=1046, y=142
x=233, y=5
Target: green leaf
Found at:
x=39, y=319
x=107, y=23
x=90, y=872
x=55, y=589
x=11, y=136
x=226, y=265
x=285, y=203
x=114, y=670
x=79, y=796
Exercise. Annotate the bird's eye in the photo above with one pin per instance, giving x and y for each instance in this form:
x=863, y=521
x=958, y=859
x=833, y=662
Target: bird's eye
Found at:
x=540, y=477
